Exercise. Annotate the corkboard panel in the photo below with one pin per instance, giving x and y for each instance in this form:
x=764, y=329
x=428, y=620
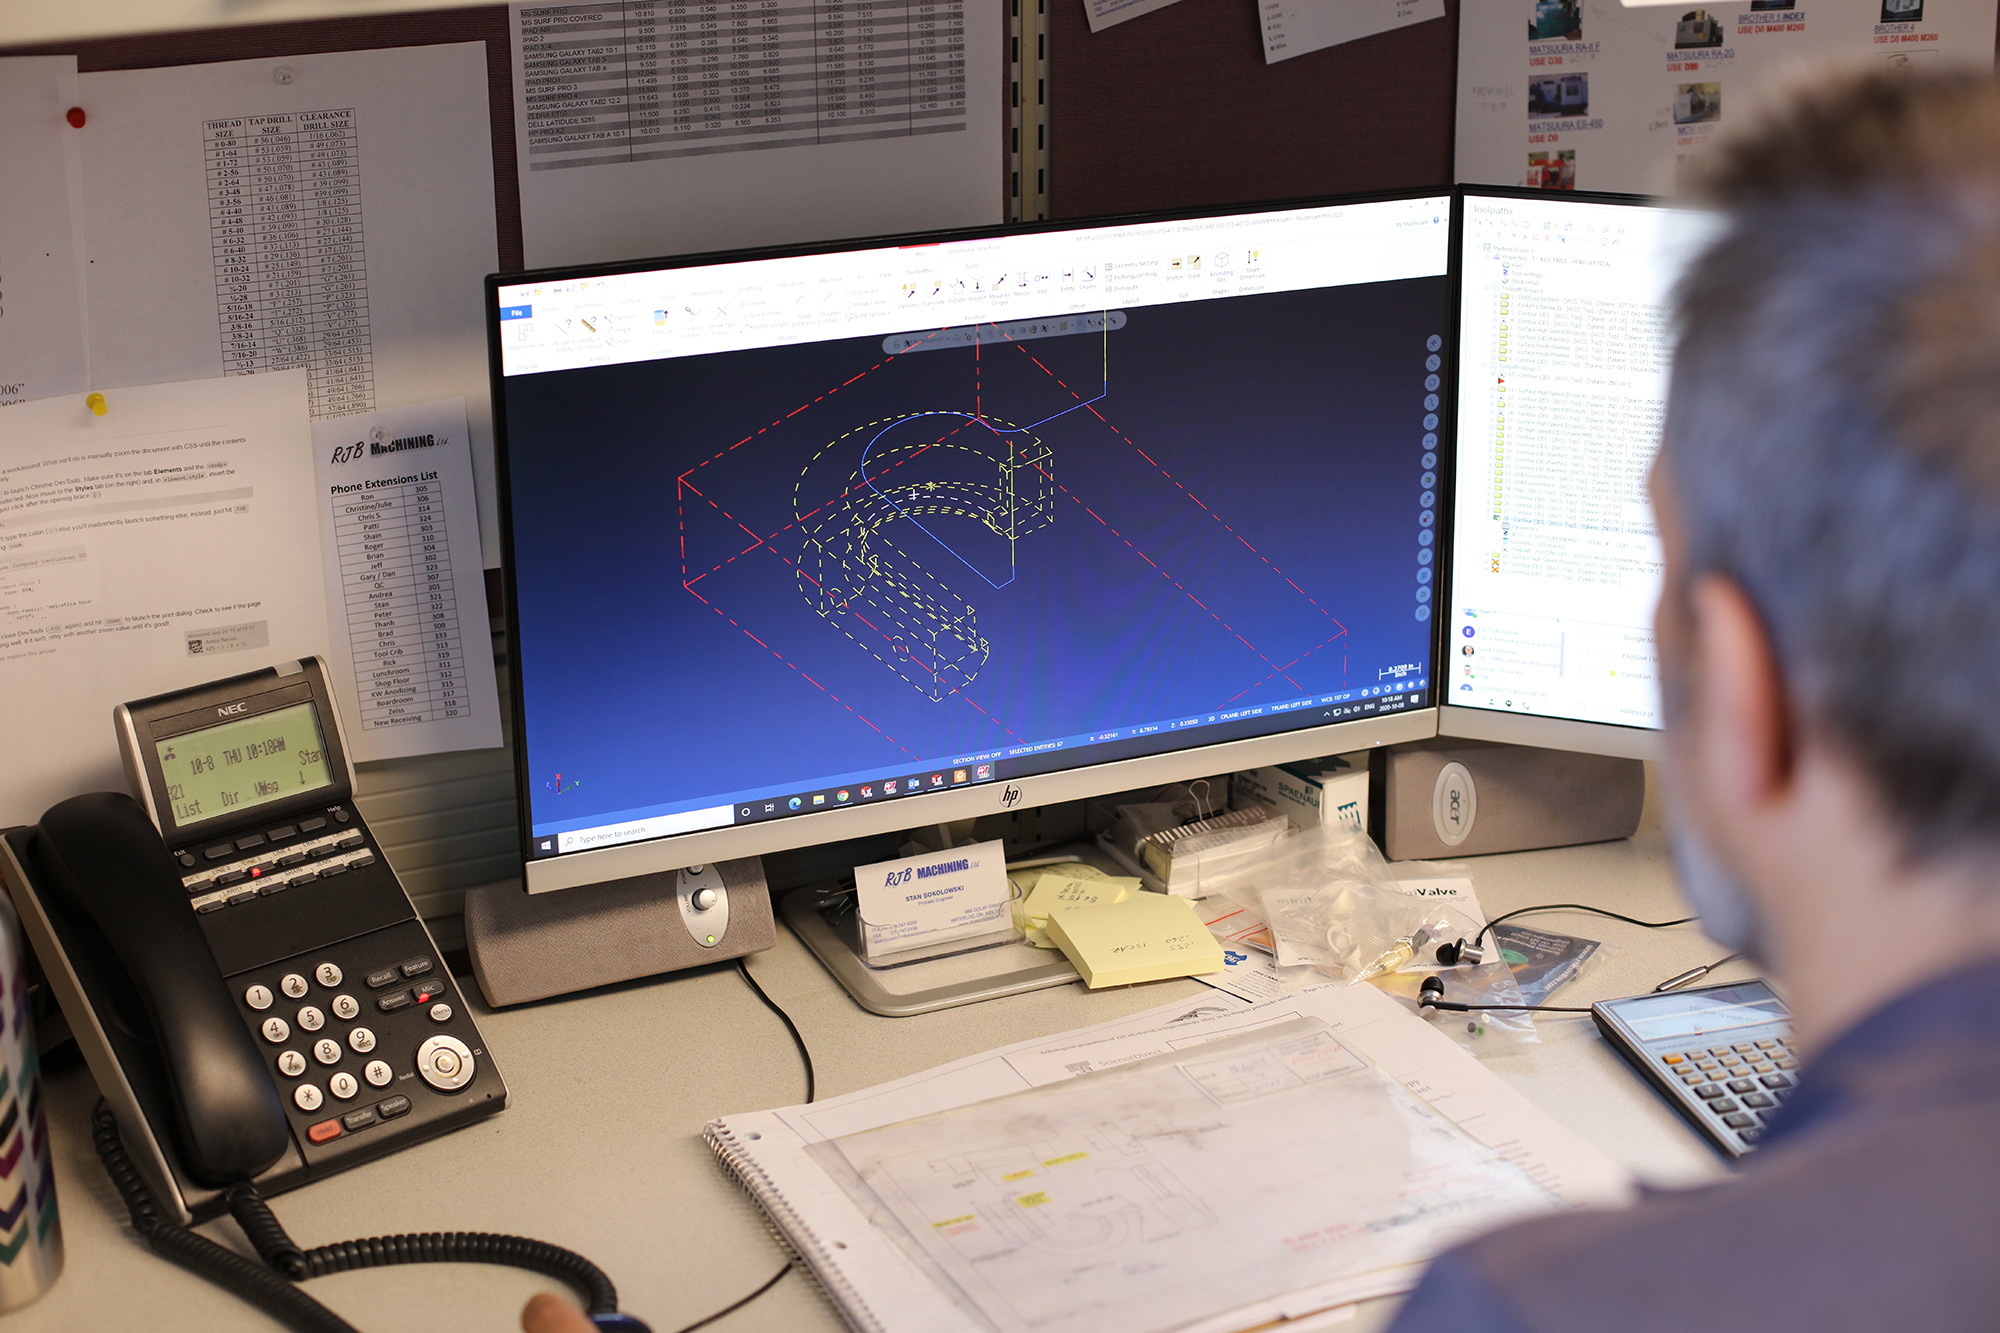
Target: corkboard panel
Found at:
x=1177, y=109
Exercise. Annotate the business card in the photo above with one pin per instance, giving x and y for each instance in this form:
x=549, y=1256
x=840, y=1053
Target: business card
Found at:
x=918, y=901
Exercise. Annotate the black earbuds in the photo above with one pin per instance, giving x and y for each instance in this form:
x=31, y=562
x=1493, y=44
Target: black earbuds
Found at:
x=1461, y=951
x=1430, y=992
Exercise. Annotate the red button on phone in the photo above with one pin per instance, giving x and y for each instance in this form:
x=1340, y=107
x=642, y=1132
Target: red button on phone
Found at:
x=324, y=1132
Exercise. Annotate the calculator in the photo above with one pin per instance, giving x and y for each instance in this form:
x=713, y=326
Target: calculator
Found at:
x=1721, y=1054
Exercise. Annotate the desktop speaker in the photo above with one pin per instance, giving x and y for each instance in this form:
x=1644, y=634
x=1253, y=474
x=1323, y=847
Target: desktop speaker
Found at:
x=531, y=946
x=1448, y=798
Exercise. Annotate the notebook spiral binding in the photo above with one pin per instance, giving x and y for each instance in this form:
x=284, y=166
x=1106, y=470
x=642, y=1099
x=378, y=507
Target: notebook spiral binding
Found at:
x=794, y=1237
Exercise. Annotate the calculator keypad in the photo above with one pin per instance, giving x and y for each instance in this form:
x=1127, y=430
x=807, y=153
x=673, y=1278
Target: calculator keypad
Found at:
x=1739, y=1086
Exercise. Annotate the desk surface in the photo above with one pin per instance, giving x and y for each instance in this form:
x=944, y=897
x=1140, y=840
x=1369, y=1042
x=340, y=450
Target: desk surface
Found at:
x=601, y=1151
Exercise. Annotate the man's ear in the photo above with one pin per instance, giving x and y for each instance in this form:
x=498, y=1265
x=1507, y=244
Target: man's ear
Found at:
x=1743, y=720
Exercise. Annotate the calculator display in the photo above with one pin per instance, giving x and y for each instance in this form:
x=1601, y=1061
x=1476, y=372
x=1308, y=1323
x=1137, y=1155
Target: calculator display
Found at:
x=242, y=764
x=1675, y=1016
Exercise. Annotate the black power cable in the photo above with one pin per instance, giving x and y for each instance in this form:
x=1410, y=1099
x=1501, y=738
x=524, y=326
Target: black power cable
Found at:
x=270, y=1288
x=733, y=1307
x=743, y=966
x=1580, y=907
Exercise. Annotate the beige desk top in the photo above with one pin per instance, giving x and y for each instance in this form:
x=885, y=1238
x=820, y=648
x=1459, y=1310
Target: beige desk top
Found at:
x=600, y=1150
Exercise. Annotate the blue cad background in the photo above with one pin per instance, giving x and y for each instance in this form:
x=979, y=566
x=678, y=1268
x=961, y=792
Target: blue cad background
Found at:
x=1243, y=446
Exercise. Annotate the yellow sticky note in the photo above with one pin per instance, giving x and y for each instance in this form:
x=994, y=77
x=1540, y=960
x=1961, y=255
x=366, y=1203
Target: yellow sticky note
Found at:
x=1145, y=938
x=1057, y=888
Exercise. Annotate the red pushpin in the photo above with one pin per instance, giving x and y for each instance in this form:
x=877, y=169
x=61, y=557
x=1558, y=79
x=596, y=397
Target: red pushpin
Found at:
x=75, y=117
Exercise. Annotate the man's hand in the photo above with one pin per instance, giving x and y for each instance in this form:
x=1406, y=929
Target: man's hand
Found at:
x=549, y=1313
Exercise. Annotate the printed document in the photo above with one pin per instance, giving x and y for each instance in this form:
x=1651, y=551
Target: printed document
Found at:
x=42, y=349
x=169, y=542
x=1596, y=95
x=654, y=129
x=1274, y=1164
x=412, y=652
x=1294, y=27
x=856, y=1257
x=328, y=211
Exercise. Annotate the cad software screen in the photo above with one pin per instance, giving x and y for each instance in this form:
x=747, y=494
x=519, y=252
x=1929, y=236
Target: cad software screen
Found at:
x=1564, y=342
x=801, y=532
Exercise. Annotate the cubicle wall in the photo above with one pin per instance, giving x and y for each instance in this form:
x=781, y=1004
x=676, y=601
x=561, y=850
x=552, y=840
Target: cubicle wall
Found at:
x=1173, y=109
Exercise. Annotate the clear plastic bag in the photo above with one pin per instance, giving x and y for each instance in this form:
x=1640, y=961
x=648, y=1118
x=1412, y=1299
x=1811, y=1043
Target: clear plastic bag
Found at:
x=1331, y=903
x=1545, y=961
x=1482, y=1031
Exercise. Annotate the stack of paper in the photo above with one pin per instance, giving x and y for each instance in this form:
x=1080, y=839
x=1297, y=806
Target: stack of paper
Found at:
x=880, y=1285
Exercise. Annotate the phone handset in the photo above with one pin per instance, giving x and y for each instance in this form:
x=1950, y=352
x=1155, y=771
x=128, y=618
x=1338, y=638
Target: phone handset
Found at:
x=101, y=854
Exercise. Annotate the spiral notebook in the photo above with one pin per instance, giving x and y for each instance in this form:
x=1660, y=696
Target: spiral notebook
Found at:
x=877, y=1286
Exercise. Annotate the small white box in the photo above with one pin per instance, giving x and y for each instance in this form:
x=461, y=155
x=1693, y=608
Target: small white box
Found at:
x=1304, y=792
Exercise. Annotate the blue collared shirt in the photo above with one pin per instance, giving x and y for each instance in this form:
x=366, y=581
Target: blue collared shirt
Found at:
x=1873, y=1204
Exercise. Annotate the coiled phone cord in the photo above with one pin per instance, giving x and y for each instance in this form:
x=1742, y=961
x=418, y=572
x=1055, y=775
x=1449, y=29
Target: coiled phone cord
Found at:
x=270, y=1288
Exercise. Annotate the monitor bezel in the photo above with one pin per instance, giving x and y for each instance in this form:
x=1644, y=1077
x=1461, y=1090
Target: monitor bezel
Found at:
x=673, y=852
x=1491, y=724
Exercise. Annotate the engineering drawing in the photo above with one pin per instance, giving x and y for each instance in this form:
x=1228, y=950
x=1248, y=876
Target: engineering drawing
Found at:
x=966, y=497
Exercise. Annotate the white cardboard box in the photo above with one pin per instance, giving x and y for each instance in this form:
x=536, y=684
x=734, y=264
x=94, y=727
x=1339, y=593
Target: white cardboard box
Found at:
x=1303, y=792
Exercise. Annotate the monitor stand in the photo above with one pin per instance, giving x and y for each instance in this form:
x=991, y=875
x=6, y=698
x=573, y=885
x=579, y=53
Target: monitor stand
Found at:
x=902, y=989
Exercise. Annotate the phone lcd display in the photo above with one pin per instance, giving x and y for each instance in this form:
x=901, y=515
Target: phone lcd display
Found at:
x=238, y=765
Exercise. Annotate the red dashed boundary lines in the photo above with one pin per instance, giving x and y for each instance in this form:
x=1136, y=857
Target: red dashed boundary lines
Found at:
x=1276, y=670
x=1091, y=408
x=1289, y=665
x=1219, y=519
x=802, y=673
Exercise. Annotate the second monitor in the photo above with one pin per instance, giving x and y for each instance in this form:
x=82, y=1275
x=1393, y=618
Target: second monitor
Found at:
x=1565, y=335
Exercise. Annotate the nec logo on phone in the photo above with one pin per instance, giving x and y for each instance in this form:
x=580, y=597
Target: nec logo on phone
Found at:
x=230, y=710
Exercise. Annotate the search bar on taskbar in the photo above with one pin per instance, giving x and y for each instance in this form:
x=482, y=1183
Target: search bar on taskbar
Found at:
x=610, y=835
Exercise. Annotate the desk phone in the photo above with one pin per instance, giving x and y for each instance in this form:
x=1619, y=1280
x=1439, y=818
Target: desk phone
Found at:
x=253, y=989
x=1721, y=1054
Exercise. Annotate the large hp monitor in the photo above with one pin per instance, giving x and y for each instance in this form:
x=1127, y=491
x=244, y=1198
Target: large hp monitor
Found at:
x=805, y=545
x=1564, y=338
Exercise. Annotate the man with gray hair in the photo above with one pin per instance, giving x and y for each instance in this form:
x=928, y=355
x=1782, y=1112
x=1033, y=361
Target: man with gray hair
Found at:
x=1828, y=496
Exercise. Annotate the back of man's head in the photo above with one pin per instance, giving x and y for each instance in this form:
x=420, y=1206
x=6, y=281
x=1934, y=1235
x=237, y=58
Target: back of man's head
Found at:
x=1833, y=431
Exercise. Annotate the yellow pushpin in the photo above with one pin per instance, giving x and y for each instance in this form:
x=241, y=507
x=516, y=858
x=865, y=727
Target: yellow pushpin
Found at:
x=98, y=407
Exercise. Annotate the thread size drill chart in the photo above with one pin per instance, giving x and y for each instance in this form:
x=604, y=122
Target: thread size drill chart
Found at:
x=291, y=280
x=401, y=606
x=646, y=80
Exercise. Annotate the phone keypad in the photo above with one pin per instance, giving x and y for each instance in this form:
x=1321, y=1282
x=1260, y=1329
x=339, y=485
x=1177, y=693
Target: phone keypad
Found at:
x=350, y=1070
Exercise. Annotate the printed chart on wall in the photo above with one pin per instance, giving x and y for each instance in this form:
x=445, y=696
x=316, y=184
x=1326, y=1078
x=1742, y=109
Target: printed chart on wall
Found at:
x=1591, y=95
x=654, y=127
x=330, y=212
x=408, y=613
